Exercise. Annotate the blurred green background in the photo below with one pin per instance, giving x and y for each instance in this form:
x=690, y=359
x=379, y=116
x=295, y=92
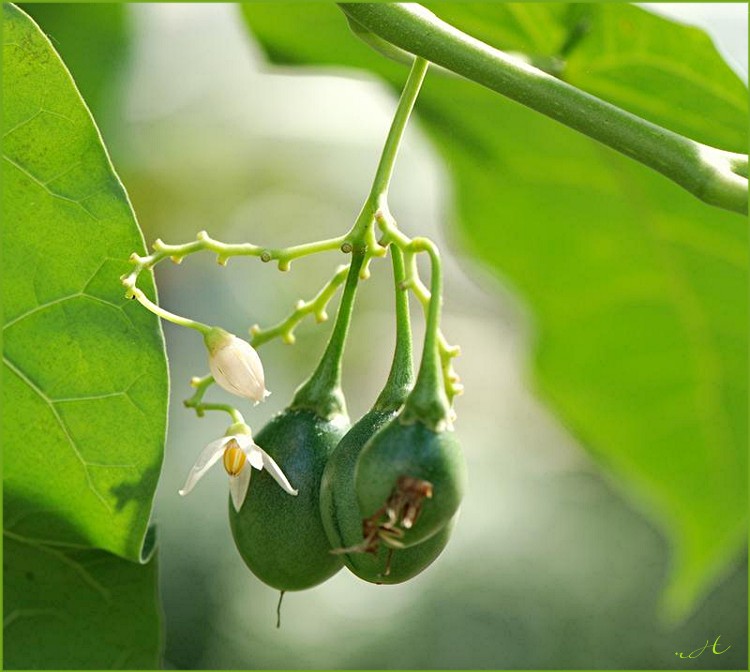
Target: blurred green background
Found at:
x=550, y=566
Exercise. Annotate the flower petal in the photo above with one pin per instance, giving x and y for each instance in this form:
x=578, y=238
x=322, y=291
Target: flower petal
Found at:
x=236, y=366
x=238, y=486
x=255, y=457
x=209, y=456
x=252, y=451
x=275, y=471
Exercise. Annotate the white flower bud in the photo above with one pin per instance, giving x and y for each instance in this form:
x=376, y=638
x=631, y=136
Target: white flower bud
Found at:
x=235, y=365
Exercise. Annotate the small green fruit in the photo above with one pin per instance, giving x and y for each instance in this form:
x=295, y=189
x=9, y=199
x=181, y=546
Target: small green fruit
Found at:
x=412, y=452
x=342, y=517
x=281, y=537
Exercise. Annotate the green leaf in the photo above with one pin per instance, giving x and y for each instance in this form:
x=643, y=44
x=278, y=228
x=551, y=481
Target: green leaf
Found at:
x=665, y=72
x=93, y=41
x=77, y=609
x=637, y=290
x=85, y=381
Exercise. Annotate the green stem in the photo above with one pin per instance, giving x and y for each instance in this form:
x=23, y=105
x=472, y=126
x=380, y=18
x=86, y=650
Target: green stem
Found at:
x=317, y=306
x=201, y=385
x=226, y=408
x=322, y=392
x=362, y=233
x=398, y=126
x=428, y=402
x=391, y=235
x=401, y=378
x=708, y=173
x=166, y=315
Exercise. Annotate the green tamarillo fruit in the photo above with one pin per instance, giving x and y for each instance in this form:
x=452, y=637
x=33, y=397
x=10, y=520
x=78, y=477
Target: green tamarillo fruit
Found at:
x=410, y=476
x=369, y=540
x=280, y=537
x=343, y=520
x=414, y=472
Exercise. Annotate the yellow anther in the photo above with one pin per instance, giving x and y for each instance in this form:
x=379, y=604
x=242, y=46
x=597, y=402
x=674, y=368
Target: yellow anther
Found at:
x=234, y=458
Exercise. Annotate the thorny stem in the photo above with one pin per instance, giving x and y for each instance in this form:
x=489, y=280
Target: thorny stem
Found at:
x=315, y=306
x=224, y=251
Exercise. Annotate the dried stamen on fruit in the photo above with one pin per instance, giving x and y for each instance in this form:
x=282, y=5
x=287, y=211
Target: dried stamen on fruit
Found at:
x=400, y=511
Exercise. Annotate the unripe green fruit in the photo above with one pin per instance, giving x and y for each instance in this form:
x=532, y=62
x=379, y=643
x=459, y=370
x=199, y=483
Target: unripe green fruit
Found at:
x=281, y=537
x=342, y=517
x=414, y=451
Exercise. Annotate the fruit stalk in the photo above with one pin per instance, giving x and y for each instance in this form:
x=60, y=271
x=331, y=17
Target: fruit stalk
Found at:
x=428, y=402
x=322, y=392
x=401, y=378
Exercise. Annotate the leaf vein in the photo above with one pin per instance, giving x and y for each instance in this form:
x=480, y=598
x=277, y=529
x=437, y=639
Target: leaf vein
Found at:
x=51, y=192
x=63, y=427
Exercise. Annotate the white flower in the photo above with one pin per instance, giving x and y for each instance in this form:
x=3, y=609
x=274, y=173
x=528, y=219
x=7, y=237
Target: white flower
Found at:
x=235, y=365
x=240, y=455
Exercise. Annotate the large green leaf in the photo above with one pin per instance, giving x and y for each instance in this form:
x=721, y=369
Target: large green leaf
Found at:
x=77, y=609
x=662, y=71
x=85, y=381
x=637, y=290
x=93, y=41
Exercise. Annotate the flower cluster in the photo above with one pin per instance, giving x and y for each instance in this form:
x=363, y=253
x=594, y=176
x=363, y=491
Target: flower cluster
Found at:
x=236, y=367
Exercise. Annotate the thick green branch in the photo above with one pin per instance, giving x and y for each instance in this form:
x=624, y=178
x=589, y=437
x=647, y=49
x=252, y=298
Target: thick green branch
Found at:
x=710, y=174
